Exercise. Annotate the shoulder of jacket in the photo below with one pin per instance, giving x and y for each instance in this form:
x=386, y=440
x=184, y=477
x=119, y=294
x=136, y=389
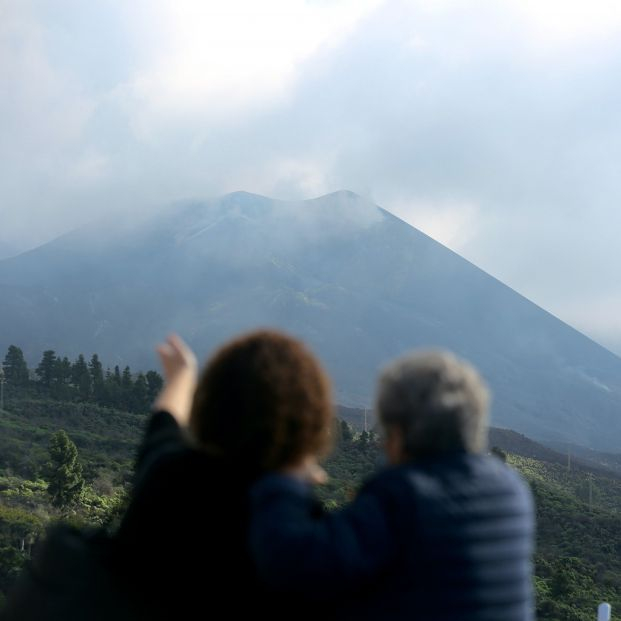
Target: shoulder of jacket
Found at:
x=391, y=481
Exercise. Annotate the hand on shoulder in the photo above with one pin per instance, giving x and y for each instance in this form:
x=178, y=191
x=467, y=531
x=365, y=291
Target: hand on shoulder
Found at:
x=307, y=471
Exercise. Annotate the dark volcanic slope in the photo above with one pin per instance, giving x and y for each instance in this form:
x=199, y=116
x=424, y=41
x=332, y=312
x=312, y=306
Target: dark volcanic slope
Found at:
x=358, y=284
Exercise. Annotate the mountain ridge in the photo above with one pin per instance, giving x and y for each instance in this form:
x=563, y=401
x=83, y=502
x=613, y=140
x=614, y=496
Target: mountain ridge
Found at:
x=353, y=280
x=350, y=195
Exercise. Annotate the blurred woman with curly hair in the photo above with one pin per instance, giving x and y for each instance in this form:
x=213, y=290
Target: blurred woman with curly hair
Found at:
x=262, y=403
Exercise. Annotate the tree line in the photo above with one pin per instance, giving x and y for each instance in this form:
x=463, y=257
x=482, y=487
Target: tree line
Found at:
x=59, y=378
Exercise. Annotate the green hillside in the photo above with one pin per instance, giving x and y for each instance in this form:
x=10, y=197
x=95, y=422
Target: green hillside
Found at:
x=578, y=562
x=105, y=437
x=578, y=543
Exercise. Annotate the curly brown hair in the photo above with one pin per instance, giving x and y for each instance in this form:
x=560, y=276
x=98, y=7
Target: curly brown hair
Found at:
x=263, y=402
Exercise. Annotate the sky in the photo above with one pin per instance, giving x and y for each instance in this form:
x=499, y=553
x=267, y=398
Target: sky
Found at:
x=493, y=126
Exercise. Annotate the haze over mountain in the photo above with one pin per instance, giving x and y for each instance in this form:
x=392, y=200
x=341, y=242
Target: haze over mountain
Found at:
x=357, y=283
x=7, y=250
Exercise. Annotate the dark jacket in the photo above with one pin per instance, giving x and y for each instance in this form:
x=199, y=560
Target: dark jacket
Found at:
x=449, y=539
x=182, y=544
x=68, y=578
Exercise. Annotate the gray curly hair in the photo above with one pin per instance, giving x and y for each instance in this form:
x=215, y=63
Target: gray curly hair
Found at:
x=439, y=402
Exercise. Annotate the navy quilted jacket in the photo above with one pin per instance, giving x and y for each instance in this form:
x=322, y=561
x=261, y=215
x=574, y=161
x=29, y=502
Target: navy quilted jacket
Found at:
x=438, y=540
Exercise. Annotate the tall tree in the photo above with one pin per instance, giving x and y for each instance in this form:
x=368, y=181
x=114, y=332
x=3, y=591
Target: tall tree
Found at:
x=346, y=434
x=154, y=385
x=47, y=367
x=140, y=399
x=97, y=377
x=81, y=378
x=62, y=371
x=61, y=380
x=64, y=471
x=96, y=369
x=126, y=380
x=127, y=389
x=15, y=367
x=112, y=388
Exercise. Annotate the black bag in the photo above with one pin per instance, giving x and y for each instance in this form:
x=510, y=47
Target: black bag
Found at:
x=69, y=578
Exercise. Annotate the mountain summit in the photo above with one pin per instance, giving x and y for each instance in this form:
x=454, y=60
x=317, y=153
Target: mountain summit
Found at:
x=358, y=284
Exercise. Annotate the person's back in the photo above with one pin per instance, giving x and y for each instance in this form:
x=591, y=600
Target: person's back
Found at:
x=444, y=534
x=182, y=545
x=464, y=529
x=188, y=509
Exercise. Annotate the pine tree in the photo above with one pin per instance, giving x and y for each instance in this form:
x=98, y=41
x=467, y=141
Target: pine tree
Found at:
x=155, y=382
x=47, y=367
x=140, y=401
x=63, y=371
x=112, y=388
x=96, y=370
x=126, y=379
x=15, y=367
x=127, y=386
x=346, y=432
x=61, y=379
x=64, y=471
x=81, y=378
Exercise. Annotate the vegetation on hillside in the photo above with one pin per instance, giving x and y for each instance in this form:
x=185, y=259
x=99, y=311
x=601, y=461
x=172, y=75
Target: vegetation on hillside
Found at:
x=71, y=459
x=80, y=381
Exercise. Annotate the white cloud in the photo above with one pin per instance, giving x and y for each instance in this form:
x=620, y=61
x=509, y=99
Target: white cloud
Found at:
x=551, y=25
x=41, y=108
x=211, y=62
x=454, y=224
x=301, y=175
x=563, y=23
x=596, y=315
x=44, y=116
x=491, y=125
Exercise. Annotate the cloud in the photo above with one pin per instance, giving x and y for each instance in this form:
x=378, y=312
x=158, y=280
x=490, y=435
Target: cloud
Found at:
x=559, y=24
x=492, y=126
x=597, y=315
x=44, y=116
x=452, y=224
x=212, y=62
x=87, y=131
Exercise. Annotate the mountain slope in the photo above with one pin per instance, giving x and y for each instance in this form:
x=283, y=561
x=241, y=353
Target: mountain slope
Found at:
x=358, y=284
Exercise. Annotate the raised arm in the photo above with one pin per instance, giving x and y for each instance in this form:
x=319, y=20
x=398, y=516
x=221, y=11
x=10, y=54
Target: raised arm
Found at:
x=164, y=433
x=180, y=371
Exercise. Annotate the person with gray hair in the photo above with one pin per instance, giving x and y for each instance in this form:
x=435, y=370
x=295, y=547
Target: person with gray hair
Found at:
x=435, y=402
x=444, y=533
